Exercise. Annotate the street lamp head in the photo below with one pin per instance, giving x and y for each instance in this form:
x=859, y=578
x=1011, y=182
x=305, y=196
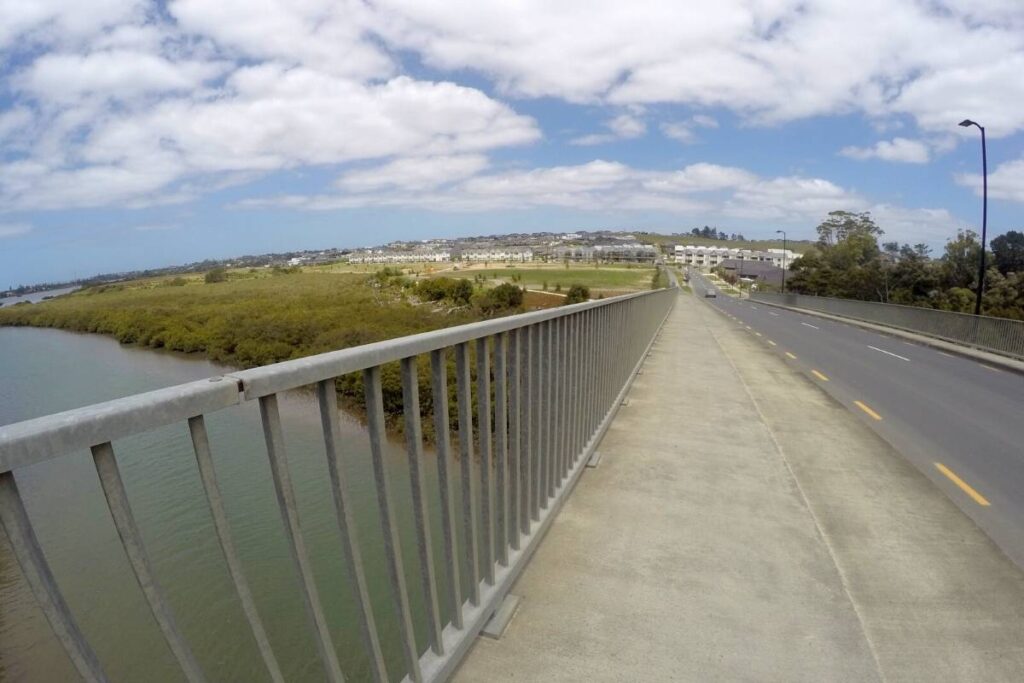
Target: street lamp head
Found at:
x=967, y=123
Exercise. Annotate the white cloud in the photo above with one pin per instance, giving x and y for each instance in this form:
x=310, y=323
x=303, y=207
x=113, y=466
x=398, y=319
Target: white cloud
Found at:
x=682, y=131
x=326, y=35
x=913, y=226
x=416, y=173
x=897, y=149
x=608, y=186
x=622, y=127
x=790, y=198
x=627, y=126
x=593, y=139
x=1005, y=182
x=769, y=60
x=265, y=117
x=14, y=229
x=120, y=74
x=704, y=121
x=61, y=21
x=706, y=190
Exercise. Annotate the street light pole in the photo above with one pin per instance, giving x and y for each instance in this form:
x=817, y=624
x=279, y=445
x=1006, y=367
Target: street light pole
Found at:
x=784, y=252
x=984, y=211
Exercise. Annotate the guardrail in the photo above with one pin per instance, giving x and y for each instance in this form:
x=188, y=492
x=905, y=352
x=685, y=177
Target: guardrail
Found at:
x=999, y=335
x=547, y=386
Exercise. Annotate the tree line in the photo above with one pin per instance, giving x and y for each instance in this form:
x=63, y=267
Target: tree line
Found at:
x=848, y=262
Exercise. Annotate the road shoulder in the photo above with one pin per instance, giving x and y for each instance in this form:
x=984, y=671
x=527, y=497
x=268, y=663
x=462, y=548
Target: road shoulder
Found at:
x=936, y=597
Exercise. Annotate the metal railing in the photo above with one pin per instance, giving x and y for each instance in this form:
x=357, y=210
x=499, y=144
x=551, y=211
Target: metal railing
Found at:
x=999, y=335
x=546, y=387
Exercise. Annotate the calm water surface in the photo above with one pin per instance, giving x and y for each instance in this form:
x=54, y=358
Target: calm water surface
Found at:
x=45, y=371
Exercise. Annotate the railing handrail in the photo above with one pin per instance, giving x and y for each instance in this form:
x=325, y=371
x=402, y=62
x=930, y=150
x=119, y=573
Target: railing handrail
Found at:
x=42, y=438
x=1003, y=336
x=552, y=381
x=910, y=307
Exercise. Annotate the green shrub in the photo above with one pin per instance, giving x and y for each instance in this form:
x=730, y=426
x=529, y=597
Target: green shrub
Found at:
x=215, y=275
x=577, y=294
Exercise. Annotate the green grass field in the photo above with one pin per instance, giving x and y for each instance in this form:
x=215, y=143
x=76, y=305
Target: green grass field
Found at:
x=604, y=279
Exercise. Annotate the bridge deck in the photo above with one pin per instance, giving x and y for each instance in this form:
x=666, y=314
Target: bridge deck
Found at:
x=743, y=526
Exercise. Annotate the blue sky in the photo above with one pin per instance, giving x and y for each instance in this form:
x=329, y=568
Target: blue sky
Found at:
x=136, y=135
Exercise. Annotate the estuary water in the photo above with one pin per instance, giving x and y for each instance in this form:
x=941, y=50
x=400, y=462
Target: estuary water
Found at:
x=44, y=371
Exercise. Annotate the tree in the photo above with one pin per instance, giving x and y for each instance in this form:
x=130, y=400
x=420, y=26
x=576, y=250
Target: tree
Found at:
x=1008, y=252
x=501, y=298
x=215, y=275
x=961, y=260
x=577, y=294
x=841, y=224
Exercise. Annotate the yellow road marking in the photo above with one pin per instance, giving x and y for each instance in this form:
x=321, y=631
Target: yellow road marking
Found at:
x=964, y=486
x=790, y=355
x=772, y=343
x=868, y=410
x=820, y=376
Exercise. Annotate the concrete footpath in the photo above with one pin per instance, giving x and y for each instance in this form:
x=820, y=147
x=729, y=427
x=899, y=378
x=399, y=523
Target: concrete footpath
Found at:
x=743, y=526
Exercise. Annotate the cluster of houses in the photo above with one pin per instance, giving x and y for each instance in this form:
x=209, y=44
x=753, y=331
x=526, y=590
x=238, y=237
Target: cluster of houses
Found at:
x=567, y=247
x=613, y=251
x=712, y=257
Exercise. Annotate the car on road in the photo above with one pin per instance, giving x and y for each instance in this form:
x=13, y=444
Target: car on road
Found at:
x=710, y=293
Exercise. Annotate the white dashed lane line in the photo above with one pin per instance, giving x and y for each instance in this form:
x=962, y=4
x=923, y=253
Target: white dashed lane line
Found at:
x=888, y=353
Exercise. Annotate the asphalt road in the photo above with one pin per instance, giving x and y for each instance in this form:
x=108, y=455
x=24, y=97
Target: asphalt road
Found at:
x=960, y=421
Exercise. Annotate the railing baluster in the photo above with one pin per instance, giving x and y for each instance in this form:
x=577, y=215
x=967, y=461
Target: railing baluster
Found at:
x=536, y=415
x=528, y=441
x=414, y=449
x=327, y=398
x=442, y=429
x=392, y=543
x=501, y=444
x=515, y=427
x=465, y=392
x=565, y=421
x=483, y=413
x=559, y=412
x=18, y=527
x=208, y=475
x=550, y=356
x=131, y=539
x=274, y=438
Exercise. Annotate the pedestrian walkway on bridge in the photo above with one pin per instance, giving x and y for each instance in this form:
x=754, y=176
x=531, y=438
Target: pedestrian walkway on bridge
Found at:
x=744, y=526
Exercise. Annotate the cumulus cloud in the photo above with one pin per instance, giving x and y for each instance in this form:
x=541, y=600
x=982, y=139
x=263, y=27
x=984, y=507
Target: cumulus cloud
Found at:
x=119, y=106
x=1005, y=182
x=897, y=149
x=769, y=60
x=121, y=102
